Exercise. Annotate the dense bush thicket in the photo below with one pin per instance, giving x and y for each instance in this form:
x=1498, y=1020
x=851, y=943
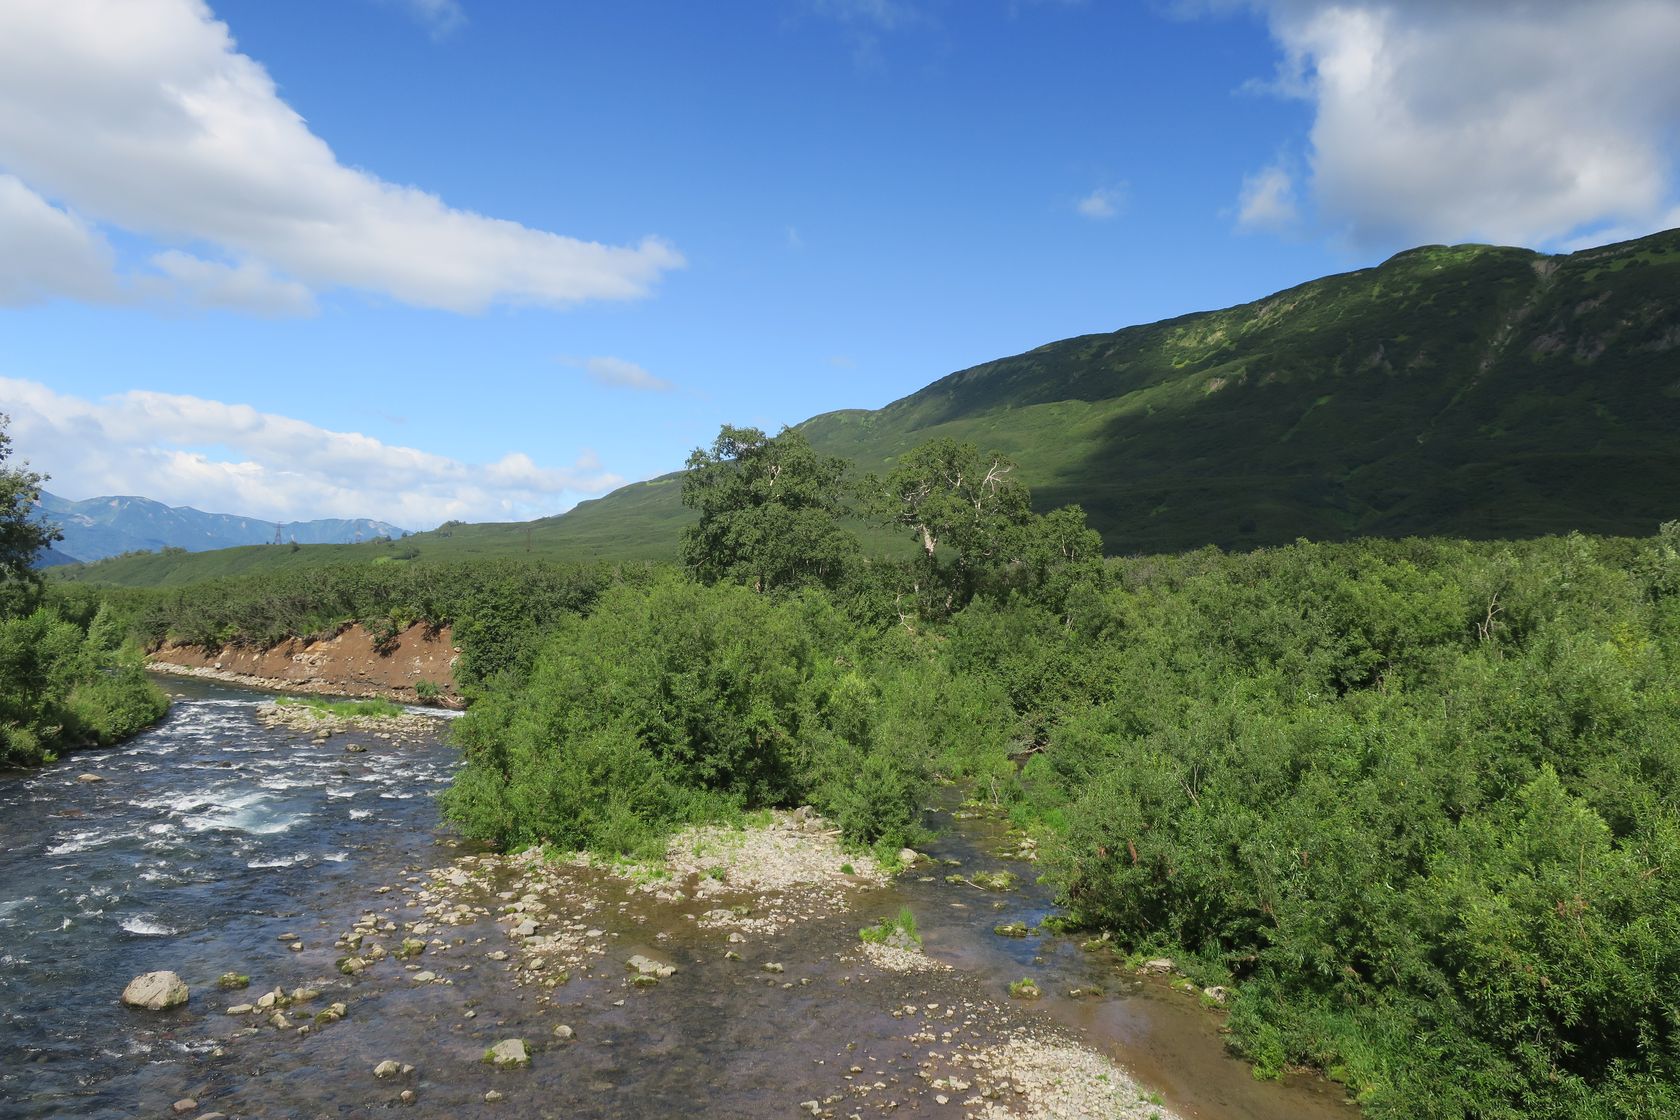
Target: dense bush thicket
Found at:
x=66, y=676
x=68, y=682
x=1417, y=802
x=1419, y=799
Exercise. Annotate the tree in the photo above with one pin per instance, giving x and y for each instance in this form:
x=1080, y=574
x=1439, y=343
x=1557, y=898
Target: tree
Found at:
x=769, y=511
x=22, y=536
x=952, y=497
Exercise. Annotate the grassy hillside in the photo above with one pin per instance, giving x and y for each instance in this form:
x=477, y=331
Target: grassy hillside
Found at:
x=1468, y=391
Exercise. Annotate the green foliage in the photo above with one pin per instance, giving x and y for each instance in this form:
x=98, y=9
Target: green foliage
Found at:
x=22, y=536
x=769, y=512
x=1025, y=988
x=674, y=703
x=427, y=691
x=950, y=496
x=1417, y=799
x=59, y=689
x=898, y=928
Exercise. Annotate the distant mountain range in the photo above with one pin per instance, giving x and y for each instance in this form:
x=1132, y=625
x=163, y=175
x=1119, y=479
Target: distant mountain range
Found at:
x=100, y=527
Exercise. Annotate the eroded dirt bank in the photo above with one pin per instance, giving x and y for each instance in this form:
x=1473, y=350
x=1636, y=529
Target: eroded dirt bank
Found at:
x=345, y=665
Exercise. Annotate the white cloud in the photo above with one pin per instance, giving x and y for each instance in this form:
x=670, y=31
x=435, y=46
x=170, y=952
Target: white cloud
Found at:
x=46, y=253
x=144, y=115
x=1102, y=203
x=616, y=373
x=248, y=286
x=1267, y=200
x=231, y=458
x=441, y=18
x=1538, y=122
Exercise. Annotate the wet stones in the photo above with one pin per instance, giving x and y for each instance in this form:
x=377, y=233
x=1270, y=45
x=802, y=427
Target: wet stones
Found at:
x=647, y=966
x=155, y=991
x=232, y=981
x=509, y=1053
x=1010, y=929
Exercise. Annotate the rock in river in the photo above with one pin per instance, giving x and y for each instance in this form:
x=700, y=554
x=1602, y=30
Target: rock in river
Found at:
x=155, y=991
x=508, y=1053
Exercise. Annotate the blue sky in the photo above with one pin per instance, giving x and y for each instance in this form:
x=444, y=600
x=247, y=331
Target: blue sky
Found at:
x=421, y=259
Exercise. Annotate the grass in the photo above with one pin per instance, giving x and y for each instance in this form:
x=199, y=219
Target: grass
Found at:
x=888, y=929
x=344, y=709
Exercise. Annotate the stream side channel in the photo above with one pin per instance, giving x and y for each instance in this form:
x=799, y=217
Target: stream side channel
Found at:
x=215, y=844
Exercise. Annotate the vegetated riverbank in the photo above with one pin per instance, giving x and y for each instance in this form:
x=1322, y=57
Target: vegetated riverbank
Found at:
x=69, y=680
x=413, y=666
x=1407, y=802
x=217, y=844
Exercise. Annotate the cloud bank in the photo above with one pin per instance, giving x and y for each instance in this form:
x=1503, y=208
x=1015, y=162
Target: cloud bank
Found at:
x=1548, y=123
x=143, y=115
x=231, y=458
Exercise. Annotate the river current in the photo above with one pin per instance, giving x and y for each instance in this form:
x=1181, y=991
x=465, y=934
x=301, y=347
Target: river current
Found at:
x=204, y=837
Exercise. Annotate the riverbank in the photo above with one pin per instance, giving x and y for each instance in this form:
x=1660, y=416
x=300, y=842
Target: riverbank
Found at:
x=748, y=926
x=725, y=979
x=417, y=666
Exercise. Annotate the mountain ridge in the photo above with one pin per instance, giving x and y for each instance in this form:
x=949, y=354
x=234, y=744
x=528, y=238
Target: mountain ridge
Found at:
x=112, y=524
x=1471, y=391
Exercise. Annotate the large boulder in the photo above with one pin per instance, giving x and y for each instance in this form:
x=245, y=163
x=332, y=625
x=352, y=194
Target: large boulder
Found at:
x=155, y=991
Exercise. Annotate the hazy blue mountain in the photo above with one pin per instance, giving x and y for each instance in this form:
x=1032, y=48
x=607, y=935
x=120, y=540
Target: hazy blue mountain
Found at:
x=101, y=527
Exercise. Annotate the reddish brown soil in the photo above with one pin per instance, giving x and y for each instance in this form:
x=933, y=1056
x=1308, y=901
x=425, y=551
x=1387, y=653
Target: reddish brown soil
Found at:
x=347, y=665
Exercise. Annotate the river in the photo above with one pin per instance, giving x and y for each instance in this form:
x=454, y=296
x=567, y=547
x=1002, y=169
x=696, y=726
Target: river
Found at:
x=210, y=837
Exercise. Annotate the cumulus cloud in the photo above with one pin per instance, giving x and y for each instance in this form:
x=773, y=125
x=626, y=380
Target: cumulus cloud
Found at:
x=248, y=286
x=1267, y=200
x=232, y=458
x=616, y=373
x=142, y=114
x=48, y=252
x=1102, y=203
x=1538, y=122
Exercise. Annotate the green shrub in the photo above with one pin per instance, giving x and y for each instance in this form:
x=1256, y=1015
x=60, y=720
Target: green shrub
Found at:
x=673, y=704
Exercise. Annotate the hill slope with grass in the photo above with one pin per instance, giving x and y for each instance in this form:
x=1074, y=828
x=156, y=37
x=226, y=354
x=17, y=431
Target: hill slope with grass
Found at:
x=1470, y=391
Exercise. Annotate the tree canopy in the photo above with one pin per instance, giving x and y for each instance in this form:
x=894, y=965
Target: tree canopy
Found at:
x=22, y=535
x=769, y=511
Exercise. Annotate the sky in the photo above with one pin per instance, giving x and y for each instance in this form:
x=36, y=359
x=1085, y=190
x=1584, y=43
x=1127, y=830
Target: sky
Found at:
x=422, y=260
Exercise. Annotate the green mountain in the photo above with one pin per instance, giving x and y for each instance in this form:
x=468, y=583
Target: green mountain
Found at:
x=1470, y=391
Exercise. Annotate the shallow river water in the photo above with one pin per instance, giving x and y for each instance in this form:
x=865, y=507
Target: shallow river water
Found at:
x=211, y=836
